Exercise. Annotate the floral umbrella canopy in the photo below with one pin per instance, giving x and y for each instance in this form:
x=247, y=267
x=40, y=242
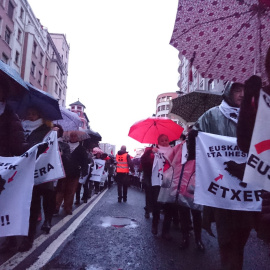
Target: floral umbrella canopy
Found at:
x=224, y=39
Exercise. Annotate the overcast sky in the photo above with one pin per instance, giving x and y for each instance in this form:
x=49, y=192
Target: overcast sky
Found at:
x=120, y=58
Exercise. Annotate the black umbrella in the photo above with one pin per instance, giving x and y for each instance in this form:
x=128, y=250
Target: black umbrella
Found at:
x=94, y=135
x=46, y=104
x=192, y=105
x=12, y=81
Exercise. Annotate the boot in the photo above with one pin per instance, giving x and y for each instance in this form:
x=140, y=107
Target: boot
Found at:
x=154, y=229
x=46, y=227
x=146, y=214
x=9, y=244
x=26, y=244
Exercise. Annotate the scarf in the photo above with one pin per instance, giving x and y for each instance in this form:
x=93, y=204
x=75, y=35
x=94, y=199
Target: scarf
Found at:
x=229, y=112
x=165, y=150
x=2, y=107
x=73, y=146
x=30, y=126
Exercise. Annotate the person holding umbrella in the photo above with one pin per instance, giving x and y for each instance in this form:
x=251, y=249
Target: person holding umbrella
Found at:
x=123, y=166
x=233, y=227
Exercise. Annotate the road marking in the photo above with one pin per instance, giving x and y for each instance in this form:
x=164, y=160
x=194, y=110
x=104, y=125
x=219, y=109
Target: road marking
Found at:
x=52, y=248
x=12, y=262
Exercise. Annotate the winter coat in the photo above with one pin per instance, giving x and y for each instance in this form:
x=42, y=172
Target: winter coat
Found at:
x=35, y=137
x=213, y=121
x=11, y=134
x=245, y=128
x=79, y=162
x=147, y=160
x=66, y=156
x=130, y=164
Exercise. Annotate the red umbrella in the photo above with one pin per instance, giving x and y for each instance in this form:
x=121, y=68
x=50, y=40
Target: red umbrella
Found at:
x=148, y=130
x=224, y=39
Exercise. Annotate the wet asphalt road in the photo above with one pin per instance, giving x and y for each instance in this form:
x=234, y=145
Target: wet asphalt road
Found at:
x=94, y=238
x=95, y=245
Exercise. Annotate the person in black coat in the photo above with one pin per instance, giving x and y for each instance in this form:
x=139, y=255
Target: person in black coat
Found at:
x=246, y=122
x=35, y=129
x=78, y=167
x=12, y=143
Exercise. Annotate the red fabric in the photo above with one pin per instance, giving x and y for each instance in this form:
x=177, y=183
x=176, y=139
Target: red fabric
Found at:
x=148, y=130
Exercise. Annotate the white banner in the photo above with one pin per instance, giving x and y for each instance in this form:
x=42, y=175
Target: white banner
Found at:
x=98, y=169
x=16, y=185
x=157, y=169
x=218, y=164
x=49, y=165
x=162, y=171
x=258, y=164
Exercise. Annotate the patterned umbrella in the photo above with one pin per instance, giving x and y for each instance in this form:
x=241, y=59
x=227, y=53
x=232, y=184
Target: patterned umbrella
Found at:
x=225, y=39
x=191, y=106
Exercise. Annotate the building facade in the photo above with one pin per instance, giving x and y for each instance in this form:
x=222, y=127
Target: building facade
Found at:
x=190, y=79
x=78, y=108
x=26, y=45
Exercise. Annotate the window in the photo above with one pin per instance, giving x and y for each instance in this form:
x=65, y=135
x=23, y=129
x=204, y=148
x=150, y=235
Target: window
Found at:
x=34, y=48
x=45, y=80
x=56, y=88
x=167, y=107
x=61, y=77
x=17, y=57
x=21, y=13
x=4, y=58
x=47, y=60
x=33, y=68
x=41, y=58
x=48, y=46
x=63, y=103
x=79, y=107
x=60, y=92
x=7, y=35
x=57, y=71
x=10, y=10
x=39, y=77
x=73, y=107
x=19, y=36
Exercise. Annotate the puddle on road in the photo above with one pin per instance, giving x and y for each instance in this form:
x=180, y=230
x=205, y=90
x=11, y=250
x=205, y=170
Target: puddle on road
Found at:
x=118, y=222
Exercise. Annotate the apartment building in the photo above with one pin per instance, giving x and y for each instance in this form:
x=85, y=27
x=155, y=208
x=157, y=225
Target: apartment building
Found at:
x=41, y=58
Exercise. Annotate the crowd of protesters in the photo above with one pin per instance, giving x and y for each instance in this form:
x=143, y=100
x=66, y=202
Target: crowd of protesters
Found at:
x=233, y=227
x=16, y=137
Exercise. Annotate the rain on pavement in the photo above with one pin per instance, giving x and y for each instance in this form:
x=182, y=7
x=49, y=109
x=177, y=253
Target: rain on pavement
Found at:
x=115, y=236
